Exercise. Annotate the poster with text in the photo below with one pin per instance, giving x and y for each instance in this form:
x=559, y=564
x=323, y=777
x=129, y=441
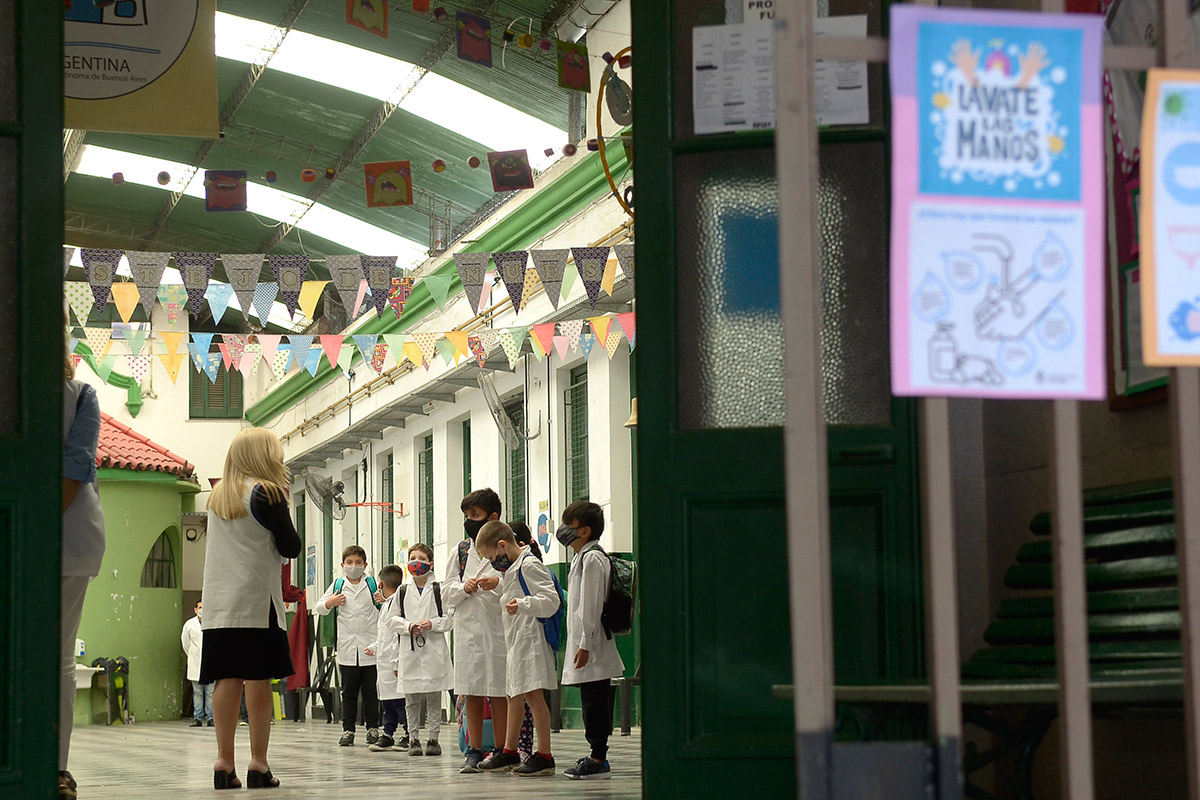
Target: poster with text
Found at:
x=1170, y=219
x=141, y=66
x=998, y=222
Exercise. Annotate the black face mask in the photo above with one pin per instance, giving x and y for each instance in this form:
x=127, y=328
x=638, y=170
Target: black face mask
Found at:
x=472, y=526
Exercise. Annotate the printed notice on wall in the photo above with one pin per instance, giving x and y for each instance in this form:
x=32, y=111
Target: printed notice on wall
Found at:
x=1170, y=219
x=997, y=262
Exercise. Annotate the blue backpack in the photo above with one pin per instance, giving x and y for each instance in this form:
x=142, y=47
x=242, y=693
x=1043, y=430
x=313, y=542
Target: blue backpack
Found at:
x=555, y=625
x=371, y=584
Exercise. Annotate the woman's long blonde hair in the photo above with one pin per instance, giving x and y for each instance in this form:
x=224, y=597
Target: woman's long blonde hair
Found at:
x=255, y=456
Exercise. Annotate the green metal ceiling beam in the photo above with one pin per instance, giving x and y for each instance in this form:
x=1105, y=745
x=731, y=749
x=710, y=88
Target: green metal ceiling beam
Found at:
x=550, y=207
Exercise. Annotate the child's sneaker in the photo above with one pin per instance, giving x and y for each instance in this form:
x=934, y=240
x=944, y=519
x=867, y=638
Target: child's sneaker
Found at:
x=499, y=761
x=535, y=765
x=373, y=735
x=471, y=764
x=414, y=748
x=384, y=742
x=432, y=748
x=401, y=743
x=347, y=739
x=585, y=769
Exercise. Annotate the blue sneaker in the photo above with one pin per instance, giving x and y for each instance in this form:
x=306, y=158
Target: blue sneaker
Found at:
x=587, y=770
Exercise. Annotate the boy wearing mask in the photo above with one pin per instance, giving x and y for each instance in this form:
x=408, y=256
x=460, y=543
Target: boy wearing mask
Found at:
x=527, y=593
x=356, y=601
x=471, y=589
x=386, y=650
x=422, y=619
x=592, y=659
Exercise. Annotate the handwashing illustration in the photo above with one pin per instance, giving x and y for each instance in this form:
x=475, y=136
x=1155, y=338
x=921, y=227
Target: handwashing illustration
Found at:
x=1013, y=305
x=948, y=365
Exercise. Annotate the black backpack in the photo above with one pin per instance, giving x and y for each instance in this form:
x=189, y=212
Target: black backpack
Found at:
x=621, y=600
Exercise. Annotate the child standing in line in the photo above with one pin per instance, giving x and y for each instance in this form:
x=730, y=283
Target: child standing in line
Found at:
x=426, y=672
x=526, y=592
x=386, y=649
x=471, y=588
x=592, y=660
x=358, y=617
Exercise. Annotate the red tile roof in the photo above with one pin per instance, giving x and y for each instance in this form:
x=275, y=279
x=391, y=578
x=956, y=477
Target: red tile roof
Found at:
x=121, y=447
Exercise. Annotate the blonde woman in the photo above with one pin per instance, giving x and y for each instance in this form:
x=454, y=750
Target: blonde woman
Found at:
x=250, y=534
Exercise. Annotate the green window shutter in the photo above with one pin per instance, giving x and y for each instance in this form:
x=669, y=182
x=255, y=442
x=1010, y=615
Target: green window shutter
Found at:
x=215, y=394
x=466, y=456
x=515, y=478
x=196, y=387
x=425, y=481
x=389, y=520
x=233, y=408
x=576, y=435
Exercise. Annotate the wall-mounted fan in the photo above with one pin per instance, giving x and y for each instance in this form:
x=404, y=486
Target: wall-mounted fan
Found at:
x=326, y=493
x=508, y=431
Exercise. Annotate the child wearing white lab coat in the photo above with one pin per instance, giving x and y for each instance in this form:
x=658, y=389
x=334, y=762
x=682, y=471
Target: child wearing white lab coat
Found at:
x=386, y=649
x=592, y=660
x=531, y=666
x=421, y=618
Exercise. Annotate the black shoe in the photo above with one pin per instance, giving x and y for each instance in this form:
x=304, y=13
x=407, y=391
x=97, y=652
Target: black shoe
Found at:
x=471, y=764
x=535, y=765
x=373, y=735
x=401, y=743
x=67, y=787
x=499, y=761
x=432, y=748
x=384, y=742
x=347, y=739
x=585, y=769
x=210, y=722
x=196, y=724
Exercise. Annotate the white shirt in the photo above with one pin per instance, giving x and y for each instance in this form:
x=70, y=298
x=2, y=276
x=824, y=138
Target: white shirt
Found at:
x=192, y=641
x=357, y=622
x=587, y=587
x=479, y=651
x=531, y=663
x=425, y=664
x=386, y=648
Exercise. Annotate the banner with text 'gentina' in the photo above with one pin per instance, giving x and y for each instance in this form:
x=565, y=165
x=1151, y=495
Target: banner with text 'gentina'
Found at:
x=997, y=254
x=141, y=66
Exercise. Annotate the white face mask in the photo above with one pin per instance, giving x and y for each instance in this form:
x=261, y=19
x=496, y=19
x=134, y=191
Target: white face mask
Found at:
x=354, y=573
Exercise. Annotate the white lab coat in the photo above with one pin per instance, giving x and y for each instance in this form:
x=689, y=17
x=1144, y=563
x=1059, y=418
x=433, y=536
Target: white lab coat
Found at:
x=387, y=652
x=479, y=651
x=83, y=520
x=357, y=621
x=428, y=668
x=192, y=641
x=241, y=573
x=587, y=586
x=531, y=662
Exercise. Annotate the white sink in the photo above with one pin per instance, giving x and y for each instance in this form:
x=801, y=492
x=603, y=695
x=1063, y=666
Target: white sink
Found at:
x=83, y=675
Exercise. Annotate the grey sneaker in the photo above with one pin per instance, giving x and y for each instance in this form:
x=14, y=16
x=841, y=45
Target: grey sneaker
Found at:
x=414, y=748
x=373, y=735
x=384, y=742
x=432, y=748
x=499, y=761
x=585, y=769
x=347, y=739
x=471, y=764
x=535, y=765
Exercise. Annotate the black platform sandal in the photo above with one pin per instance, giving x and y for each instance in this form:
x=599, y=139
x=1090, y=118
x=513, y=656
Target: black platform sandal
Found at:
x=225, y=780
x=260, y=780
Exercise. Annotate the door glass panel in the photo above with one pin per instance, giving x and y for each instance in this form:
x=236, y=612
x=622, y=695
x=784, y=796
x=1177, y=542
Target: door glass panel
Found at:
x=9, y=290
x=8, y=62
x=730, y=333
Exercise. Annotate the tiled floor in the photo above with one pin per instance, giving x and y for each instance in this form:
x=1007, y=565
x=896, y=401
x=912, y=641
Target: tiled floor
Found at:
x=170, y=761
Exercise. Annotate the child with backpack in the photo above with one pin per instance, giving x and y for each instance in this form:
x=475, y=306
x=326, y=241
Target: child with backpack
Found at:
x=421, y=619
x=356, y=598
x=528, y=595
x=386, y=649
x=592, y=660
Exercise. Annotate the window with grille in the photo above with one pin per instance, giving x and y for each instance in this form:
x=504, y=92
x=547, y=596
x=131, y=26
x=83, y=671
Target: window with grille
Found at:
x=514, y=467
x=388, y=529
x=159, y=570
x=425, y=487
x=466, y=456
x=577, y=435
x=221, y=399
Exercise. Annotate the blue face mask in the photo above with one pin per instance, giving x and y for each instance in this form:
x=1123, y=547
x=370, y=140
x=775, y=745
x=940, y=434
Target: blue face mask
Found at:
x=502, y=562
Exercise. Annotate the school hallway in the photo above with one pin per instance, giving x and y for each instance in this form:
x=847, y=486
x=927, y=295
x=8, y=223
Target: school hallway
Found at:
x=171, y=760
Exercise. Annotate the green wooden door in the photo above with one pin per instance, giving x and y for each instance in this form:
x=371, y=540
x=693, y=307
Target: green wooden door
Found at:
x=710, y=449
x=31, y=377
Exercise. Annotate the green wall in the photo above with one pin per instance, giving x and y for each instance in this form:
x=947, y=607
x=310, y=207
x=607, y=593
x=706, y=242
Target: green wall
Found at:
x=120, y=617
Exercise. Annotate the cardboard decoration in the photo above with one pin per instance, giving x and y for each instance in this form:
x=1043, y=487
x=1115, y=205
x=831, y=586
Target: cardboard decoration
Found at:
x=224, y=190
x=573, y=72
x=473, y=37
x=510, y=170
x=368, y=15
x=388, y=183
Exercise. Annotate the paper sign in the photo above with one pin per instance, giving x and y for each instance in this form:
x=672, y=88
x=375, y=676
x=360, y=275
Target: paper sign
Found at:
x=389, y=183
x=997, y=263
x=841, y=85
x=1170, y=219
x=733, y=78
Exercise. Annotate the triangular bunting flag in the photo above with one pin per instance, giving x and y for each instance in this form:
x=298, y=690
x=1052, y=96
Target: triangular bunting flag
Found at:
x=625, y=257
x=587, y=340
x=135, y=340
x=279, y=364
x=399, y=292
x=543, y=337
x=489, y=282
x=628, y=323
x=346, y=358
x=395, y=343
x=210, y=364
x=331, y=343
x=235, y=344
x=412, y=351
x=289, y=272
x=125, y=297
x=561, y=343
x=472, y=268
x=197, y=270
x=478, y=350
x=511, y=340
x=571, y=328
x=312, y=361
x=600, y=326
x=366, y=344
x=264, y=298
x=610, y=276
x=379, y=270
x=173, y=297
x=81, y=300
x=72, y=343
x=202, y=342
x=219, y=295
x=568, y=282
x=536, y=349
x=104, y=367
x=139, y=366
x=427, y=342
x=590, y=261
x=171, y=341
x=438, y=287
x=147, y=270
x=226, y=358
x=300, y=343
x=613, y=342
x=98, y=340
x=269, y=344
x=68, y=254
x=310, y=293
x=345, y=272
x=250, y=359
x=362, y=292
x=243, y=270
x=550, y=265
x=100, y=266
x=511, y=266
x=448, y=352
x=171, y=363
x=532, y=282
x=459, y=340
x=379, y=357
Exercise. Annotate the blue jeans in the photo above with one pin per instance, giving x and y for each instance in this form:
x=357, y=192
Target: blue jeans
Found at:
x=202, y=694
x=394, y=716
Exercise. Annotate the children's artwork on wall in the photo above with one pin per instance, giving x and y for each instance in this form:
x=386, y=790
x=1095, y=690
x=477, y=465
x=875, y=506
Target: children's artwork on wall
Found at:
x=370, y=15
x=510, y=170
x=474, y=39
x=389, y=183
x=224, y=190
x=573, y=66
